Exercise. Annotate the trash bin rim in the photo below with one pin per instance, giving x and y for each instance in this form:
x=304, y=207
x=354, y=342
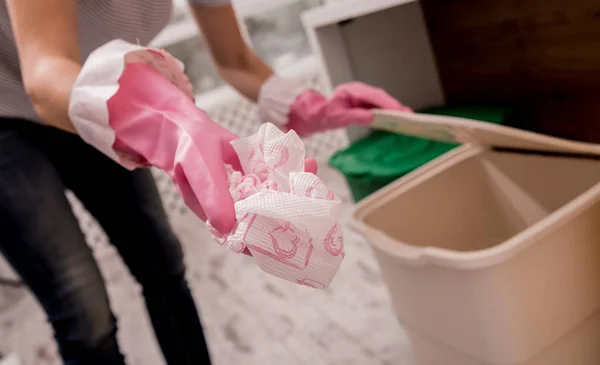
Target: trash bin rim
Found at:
x=471, y=260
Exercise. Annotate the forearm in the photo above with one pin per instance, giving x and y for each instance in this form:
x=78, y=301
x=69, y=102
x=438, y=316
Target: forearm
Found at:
x=239, y=66
x=46, y=34
x=247, y=75
x=49, y=90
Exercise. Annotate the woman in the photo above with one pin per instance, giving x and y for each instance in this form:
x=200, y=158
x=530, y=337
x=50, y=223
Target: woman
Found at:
x=44, y=46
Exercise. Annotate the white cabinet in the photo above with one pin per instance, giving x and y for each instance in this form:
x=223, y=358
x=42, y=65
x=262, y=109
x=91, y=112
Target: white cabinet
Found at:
x=380, y=42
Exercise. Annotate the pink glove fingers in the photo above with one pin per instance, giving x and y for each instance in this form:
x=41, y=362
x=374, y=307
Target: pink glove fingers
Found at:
x=363, y=96
x=310, y=165
x=187, y=193
x=205, y=176
x=351, y=103
x=159, y=125
x=356, y=116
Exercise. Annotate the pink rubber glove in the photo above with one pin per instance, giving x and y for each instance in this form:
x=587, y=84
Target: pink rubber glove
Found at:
x=157, y=124
x=136, y=106
x=291, y=105
x=160, y=126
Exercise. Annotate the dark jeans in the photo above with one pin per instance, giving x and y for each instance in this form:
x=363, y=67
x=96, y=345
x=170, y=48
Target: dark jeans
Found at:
x=41, y=239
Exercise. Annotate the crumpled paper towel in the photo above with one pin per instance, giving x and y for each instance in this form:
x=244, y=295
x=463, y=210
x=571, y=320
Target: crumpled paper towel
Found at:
x=286, y=218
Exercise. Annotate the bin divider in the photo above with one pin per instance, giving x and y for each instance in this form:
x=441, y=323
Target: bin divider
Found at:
x=522, y=209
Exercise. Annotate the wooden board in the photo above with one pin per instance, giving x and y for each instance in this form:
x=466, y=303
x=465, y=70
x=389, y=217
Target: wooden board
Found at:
x=543, y=55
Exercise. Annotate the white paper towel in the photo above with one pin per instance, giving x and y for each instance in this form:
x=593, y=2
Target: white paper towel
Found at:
x=287, y=218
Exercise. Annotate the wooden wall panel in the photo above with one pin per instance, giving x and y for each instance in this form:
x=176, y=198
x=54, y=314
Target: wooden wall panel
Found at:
x=543, y=55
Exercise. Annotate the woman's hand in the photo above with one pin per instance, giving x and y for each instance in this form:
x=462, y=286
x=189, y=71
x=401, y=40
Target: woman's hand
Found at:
x=156, y=124
x=46, y=34
x=350, y=104
x=152, y=120
x=292, y=105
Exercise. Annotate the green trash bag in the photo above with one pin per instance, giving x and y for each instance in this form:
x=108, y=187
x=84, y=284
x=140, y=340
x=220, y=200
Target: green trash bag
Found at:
x=382, y=157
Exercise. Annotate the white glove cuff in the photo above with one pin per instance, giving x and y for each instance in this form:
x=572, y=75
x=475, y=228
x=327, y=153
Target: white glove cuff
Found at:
x=275, y=98
x=98, y=81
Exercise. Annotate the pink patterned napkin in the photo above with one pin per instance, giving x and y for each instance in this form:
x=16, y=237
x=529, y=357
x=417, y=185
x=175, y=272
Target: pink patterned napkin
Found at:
x=287, y=218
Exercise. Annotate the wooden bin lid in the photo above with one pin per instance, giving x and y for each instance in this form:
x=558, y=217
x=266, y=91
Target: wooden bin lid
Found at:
x=461, y=130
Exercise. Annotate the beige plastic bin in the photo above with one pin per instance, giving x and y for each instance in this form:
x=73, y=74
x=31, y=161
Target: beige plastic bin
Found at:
x=492, y=255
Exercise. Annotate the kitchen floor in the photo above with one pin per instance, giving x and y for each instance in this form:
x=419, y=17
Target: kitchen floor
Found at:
x=250, y=317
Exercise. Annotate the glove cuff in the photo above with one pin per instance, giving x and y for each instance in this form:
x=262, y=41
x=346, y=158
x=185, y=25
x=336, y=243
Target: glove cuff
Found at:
x=276, y=97
x=98, y=82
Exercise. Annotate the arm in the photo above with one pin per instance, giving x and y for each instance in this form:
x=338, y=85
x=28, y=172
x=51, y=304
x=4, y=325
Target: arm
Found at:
x=237, y=63
x=288, y=103
x=47, y=42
